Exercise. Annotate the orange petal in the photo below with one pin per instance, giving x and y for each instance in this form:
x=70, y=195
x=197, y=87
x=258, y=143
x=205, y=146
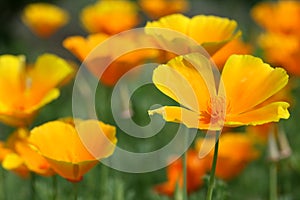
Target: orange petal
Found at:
x=72, y=171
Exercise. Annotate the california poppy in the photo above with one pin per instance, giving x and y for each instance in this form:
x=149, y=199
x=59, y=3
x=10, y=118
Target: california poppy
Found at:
x=44, y=19
x=196, y=169
x=159, y=8
x=20, y=158
x=234, y=104
x=281, y=17
x=211, y=32
x=109, y=16
x=108, y=64
x=25, y=89
x=77, y=148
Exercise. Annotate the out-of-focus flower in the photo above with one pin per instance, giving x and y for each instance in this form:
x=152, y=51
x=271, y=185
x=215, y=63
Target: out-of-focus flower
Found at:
x=106, y=64
x=24, y=90
x=20, y=158
x=44, y=19
x=241, y=75
x=289, y=54
x=281, y=17
x=235, y=46
x=159, y=8
x=211, y=32
x=196, y=169
x=65, y=147
x=235, y=152
x=110, y=16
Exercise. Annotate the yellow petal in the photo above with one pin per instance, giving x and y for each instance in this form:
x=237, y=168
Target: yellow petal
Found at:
x=97, y=137
x=67, y=148
x=190, y=83
x=176, y=22
x=12, y=78
x=49, y=71
x=12, y=161
x=248, y=82
x=178, y=115
x=212, y=32
x=272, y=112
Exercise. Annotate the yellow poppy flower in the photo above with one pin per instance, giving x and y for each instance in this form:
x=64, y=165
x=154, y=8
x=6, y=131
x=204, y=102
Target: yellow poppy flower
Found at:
x=211, y=32
x=159, y=8
x=23, y=90
x=109, y=75
x=235, y=152
x=278, y=17
x=247, y=83
x=109, y=16
x=65, y=147
x=44, y=19
x=19, y=157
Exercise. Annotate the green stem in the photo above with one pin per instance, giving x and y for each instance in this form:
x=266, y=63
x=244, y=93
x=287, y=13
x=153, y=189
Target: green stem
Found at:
x=273, y=181
x=75, y=190
x=213, y=169
x=54, y=187
x=4, y=195
x=32, y=185
x=184, y=188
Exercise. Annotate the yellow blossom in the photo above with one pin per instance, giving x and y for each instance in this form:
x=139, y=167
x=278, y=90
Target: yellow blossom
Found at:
x=44, y=19
x=234, y=105
x=109, y=16
x=159, y=8
x=24, y=90
x=71, y=151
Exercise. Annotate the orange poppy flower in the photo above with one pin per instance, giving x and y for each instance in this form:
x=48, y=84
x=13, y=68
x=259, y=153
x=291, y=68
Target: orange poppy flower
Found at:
x=24, y=90
x=20, y=158
x=69, y=157
x=117, y=66
x=159, y=8
x=281, y=17
x=196, y=169
x=44, y=19
x=235, y=152
x=289, y=55
x=211, y=32
x=235, y=104
x=109, y=16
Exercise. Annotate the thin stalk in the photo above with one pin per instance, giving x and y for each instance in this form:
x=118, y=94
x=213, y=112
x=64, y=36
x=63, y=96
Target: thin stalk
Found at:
x=184, y=168
x=213, y=169
x=75, y=190
x=4, y=195
x=54, y=187
x=32, y=185
x=273, y=181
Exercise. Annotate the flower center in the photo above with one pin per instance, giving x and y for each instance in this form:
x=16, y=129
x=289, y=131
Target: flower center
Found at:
x=215, y=112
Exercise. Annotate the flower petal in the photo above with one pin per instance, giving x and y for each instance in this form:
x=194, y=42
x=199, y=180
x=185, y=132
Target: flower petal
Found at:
x=68, y=147
x=270, y=113
x=176, y=22
x=212, y=32
x=179, y=115
x=186, y=79
x=248, y=82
